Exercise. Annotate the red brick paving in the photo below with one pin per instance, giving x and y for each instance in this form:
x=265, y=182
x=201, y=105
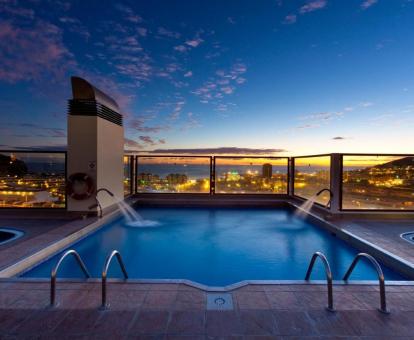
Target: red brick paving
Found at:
x=176, y=311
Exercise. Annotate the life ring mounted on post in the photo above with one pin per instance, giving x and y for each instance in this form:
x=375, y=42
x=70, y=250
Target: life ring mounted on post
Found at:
x=80, y=186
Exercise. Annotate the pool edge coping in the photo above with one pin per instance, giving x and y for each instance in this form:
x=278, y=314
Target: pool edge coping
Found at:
x=389, y=259
x=37, y=257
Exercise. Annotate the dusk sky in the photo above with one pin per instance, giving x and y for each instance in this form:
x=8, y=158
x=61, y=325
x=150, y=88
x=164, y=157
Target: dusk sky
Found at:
x=292, y=77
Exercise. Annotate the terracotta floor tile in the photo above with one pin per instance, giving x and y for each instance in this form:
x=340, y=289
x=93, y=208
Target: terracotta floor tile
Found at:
x=41, y=322
x=258, y=322
x=251, y=300
x=11, y=319
x=293, y=323
x=190, y=300
x=78, y=322
x=187, y=322
x=160, y=299
x=332, y=324
x=283, y=300
x=223, y=323
x=150, y=323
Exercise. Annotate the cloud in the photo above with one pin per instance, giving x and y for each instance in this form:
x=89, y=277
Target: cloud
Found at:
x=339, y=138
x=188, y=74
x=130, y=143
x=166, y=33
x=220, y=151
x=35, y=130
x=322, y=116
x=129, y=14
x=175, y=114
x=147, y=140
x=290, y=19
x=138, y=124
x=142, y=31
x=180, y=48
x=75, y=26
x=307, y=126
x=10, y=8
x=32, y=53
x=223, y=84
x=194, y=42
x=191, y=123
x=49, y=148
x=231, y=20
x=313, y=6
x=368, y=3
x=366, y=104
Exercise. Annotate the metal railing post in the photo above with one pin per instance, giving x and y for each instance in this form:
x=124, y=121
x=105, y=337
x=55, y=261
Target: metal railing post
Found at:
x=291, y=175
x=212, y=175
x=335, y=182
x=381, y=280
x=328, y=273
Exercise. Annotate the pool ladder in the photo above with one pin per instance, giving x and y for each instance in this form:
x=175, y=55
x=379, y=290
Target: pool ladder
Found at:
x=315, y=256
x=372, y=260
x=114, y=253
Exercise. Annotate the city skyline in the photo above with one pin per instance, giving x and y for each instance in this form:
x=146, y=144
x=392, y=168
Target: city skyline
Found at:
x=276, y=78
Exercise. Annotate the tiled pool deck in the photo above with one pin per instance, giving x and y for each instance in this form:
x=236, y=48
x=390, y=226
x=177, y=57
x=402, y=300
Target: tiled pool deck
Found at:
x=158, y=311
x=177, y=311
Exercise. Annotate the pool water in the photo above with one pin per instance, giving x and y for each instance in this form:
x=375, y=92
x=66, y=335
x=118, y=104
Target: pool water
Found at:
x=214, y=247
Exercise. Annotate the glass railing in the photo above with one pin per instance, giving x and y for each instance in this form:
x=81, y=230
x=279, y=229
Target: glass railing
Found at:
x=378, y=182
x=128, y=166
x=251, y=175
x=312, y=174
x=32, y=179
x=369, y=182
x=170, y=174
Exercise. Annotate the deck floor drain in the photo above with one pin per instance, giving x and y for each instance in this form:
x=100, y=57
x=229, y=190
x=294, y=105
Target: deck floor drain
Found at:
x=219, y=301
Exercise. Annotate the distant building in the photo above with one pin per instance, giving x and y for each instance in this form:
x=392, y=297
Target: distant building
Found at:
x=147, y=177
x=267, y=171
x=177, y=179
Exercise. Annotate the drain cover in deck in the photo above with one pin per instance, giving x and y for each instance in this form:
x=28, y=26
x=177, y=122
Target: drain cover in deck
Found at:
x=219, y=301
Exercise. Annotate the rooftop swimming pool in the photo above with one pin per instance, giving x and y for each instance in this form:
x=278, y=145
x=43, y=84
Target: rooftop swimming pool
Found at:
x=213, y=246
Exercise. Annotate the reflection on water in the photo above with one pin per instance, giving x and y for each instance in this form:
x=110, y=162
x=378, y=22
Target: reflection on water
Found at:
x=215, y=247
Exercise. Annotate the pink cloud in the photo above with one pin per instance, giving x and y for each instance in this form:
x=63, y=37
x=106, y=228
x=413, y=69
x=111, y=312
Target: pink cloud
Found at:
x=32, y=53
x=194, y=42
x=167, y=33
x=313, y=6
x=290, y=19
x=368, y=3
x=180, y=48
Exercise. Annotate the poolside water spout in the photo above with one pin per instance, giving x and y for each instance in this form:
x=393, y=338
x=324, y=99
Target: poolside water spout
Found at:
x=303, y=210
x=330, y=195
x=306, y=206
x=132, y=217
x=98, y=204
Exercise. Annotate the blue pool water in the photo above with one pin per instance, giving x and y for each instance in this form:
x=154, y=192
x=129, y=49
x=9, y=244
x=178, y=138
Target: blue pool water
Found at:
x=214, y=247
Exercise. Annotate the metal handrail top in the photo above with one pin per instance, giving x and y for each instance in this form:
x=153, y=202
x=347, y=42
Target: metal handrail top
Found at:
x=55, y=270
x=108, y=261
x=381, y=279
x=328, y=273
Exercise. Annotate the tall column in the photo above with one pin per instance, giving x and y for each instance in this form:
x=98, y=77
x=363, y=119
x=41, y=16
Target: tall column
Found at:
x=95, y=144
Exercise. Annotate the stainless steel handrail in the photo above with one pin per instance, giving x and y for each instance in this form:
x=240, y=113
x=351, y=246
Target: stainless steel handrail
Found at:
x=116, y=253
x=54, y=273
x=328, y=272
x=377, y=267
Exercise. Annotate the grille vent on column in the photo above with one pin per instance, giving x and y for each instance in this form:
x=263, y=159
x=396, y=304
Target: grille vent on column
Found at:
x=84, y=107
